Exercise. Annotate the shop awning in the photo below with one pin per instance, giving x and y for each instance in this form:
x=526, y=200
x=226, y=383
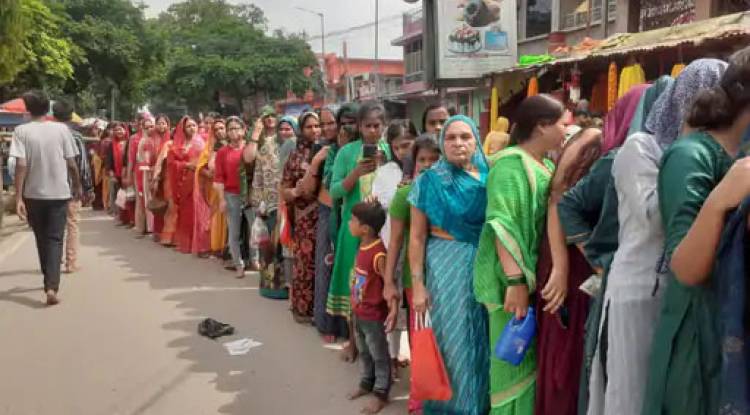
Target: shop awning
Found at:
x=18, y=106
x=732, y=26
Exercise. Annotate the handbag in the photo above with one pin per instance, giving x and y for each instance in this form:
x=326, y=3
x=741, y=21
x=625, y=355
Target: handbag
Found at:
x=157, y=206
x=122, y=199
x=285, y=228
x=429, y=379
x=130, y=194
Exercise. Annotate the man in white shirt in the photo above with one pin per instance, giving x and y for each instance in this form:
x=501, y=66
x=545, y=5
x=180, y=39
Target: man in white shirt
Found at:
x=45, y=162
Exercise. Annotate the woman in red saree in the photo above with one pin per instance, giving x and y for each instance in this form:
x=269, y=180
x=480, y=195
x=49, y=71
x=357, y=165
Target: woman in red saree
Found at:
x=116, y=169
x=205, y=205
x=160, y=137
x=163, y=184
x=304, y=210
x=182, y=161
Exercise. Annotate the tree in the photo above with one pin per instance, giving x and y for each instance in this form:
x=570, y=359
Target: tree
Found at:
x=121, y=53
x=11, y=35
x=219, y=47
x=46, y=54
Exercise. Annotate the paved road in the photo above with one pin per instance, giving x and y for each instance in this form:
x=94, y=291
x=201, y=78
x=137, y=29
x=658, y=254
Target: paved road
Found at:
x=123, y=340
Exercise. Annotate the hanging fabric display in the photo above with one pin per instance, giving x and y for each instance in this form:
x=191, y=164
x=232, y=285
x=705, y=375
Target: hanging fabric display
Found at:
x=533, y=87
x=612, y=86
x=631, y=76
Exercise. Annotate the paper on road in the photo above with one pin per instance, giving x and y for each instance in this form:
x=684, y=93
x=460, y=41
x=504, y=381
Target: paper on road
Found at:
x=241, y=346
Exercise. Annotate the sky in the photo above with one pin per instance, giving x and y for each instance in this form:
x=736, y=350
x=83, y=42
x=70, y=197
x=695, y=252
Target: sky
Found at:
x=339, y=15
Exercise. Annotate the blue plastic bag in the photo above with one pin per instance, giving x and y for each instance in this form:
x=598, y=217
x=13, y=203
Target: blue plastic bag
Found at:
x=516, y=339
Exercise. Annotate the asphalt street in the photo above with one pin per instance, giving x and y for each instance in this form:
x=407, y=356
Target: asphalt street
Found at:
x=124, y=340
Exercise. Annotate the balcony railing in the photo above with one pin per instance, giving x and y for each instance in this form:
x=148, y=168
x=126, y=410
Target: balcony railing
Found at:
x=578, y=20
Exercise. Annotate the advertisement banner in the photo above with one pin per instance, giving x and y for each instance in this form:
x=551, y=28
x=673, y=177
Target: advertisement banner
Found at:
x=474, y=37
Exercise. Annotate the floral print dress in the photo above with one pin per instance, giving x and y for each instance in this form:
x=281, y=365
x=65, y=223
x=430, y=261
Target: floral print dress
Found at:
x=304, y=214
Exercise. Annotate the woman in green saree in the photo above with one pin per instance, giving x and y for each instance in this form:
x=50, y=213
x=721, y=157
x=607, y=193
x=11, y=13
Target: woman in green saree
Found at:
x=352, y=182
x=699, y=183
x=505, y=270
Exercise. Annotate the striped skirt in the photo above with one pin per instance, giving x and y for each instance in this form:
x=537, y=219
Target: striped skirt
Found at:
x=460, y=326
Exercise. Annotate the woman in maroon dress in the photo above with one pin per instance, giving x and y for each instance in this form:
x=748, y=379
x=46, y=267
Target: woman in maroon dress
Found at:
x=304, y=211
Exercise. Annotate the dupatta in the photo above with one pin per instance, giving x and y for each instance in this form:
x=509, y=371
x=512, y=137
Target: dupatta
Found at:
x=617, y=123
x=117, y=155
x=179, y=157
x=452, y=199
x=516, y=207
x=730, y=273
x=665, y=121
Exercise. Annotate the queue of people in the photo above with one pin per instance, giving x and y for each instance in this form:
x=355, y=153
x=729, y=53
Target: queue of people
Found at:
x=608, y=238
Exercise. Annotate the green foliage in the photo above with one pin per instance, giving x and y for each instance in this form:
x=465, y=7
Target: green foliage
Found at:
x=92, y=50
x=217, y=46
x=45, y=55
x=121, y=49
x=11, y=35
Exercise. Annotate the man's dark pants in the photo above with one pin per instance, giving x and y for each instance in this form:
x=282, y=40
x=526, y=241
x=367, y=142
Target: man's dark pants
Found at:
x=47, y=219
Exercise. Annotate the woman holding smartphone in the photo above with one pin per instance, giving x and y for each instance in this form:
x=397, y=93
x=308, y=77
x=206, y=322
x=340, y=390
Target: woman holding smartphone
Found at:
x=353, y=173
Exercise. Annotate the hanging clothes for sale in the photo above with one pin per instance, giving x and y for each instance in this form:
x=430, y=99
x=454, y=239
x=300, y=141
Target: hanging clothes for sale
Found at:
x=533, y=88
x=611, y=86
x=631, y=76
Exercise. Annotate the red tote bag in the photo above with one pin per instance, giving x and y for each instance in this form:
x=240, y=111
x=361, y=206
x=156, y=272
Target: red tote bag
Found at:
x=429, y=379
x=285, y=228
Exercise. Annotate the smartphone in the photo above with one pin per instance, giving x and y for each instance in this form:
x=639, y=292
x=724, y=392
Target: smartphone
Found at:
x=369, y=151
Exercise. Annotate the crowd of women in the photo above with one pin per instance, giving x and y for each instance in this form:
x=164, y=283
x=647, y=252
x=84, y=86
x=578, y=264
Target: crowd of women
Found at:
x=611, y=235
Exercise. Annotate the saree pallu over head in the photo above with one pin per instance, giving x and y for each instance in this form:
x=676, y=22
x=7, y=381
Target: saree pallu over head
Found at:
x=617, y=123
x=179, y=157
x=517, y=191
x=646, y=104
x=665, y=121
x=118, y=155
x=451, y=198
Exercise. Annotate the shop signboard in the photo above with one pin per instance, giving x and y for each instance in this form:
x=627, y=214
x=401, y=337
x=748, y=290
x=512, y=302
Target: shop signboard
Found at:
x=656, y=14
x=472, y=37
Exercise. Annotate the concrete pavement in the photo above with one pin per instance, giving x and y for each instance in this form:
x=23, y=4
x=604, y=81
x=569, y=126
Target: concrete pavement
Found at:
x=124, y=341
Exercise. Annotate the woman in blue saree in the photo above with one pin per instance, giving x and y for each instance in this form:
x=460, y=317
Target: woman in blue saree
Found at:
x=448, y=209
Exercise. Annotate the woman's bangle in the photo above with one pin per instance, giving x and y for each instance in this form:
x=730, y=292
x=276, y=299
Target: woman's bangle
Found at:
x=519, y=279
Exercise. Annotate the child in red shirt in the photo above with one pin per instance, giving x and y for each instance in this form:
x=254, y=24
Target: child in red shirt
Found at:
x=369, y=308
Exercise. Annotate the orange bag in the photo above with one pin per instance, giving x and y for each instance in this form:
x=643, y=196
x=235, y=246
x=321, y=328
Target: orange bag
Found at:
x=285, y=228
x=429, y=379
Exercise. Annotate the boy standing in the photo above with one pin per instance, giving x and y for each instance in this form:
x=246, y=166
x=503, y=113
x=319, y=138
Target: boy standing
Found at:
x=369, y=309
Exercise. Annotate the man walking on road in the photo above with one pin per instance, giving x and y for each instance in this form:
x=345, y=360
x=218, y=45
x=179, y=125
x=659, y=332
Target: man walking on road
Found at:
x=45, y=160
x=63, y=112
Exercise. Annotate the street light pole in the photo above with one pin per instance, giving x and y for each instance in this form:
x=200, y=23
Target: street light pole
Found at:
x=322, y=40
x=377, y=59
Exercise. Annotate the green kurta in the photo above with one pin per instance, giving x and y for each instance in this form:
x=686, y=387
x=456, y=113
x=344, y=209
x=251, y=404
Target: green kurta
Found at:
x=686, y=354
x=400, y=209
x=346, y=245
x=517, y=192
